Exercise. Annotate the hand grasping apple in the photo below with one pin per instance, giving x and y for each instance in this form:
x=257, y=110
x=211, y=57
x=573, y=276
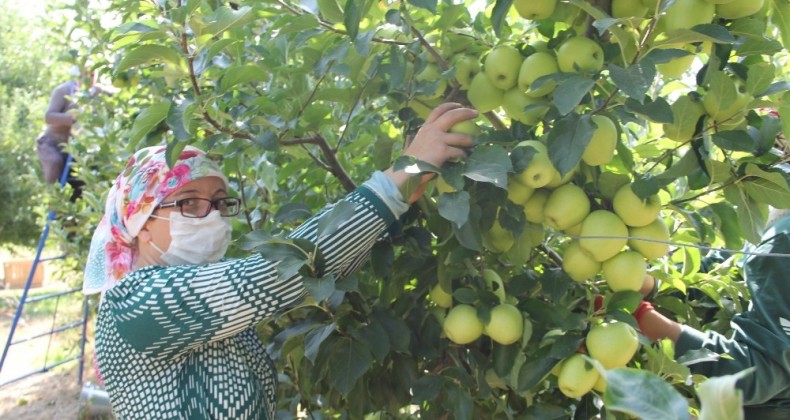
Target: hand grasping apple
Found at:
x=434, y=143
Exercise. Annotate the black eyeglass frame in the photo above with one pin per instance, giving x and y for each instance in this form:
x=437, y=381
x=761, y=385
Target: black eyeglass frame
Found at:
x=235, y=203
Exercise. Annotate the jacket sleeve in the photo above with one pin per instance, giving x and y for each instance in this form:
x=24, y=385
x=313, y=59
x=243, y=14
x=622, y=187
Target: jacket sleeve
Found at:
x=761, y=334
x=768, y=380
x=165, y=311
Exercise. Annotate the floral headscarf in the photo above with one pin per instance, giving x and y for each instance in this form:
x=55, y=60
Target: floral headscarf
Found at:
x=140, y=187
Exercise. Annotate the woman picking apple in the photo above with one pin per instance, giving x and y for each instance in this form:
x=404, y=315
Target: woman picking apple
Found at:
x=175, y=333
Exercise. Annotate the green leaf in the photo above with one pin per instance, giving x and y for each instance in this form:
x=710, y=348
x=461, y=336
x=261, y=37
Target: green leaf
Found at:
x=781, y=18
x=454, y=207
x=533, y=371
x=767, y=187
x=664, y=55
x=147, y=120
x=175, y=120
x=504, y=357
x=635, y=80
x=758, y=46
x=750, y=217
x=351, y=18
x=700, y=33
x=657, y=111
x=498, y=14
x=225, y=18
x=297, y=24
x=397, y=330
x=490, y=164
x=314, y=338
x=349, y=361
x=239, y=74
x=720, y=399
x=330, y=221
x=320, y=288
x=145, y=54
x=727, y=224
x=643, y=394
x=570, y=90
x=429, y=5
x=426, y=388
x=375, y=337
x=382, y=257
x=413, y=166
x=737, y=140
x=567, y=140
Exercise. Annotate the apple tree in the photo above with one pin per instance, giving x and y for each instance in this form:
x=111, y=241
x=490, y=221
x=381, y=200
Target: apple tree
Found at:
x=615, y=139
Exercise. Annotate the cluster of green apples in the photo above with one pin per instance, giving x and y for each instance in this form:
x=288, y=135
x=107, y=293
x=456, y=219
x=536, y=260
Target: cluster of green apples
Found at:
x=613, y=344
x=462, y=325
x=515, y=83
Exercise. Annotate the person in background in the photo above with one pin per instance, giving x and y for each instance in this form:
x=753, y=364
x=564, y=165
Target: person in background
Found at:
x=60, y=117
x=761, y=334
x=175, y=331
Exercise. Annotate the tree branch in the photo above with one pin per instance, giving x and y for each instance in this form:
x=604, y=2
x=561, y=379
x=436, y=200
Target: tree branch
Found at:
x=335, y=168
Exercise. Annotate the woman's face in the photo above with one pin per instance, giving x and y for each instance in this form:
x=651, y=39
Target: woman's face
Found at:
x=157, y=230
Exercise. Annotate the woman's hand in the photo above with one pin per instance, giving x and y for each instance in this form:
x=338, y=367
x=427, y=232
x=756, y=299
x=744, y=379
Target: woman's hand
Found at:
x=435, y=145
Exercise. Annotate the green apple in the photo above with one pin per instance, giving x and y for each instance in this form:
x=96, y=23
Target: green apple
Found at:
x=577, y=376
x=467, y=127
x=533, y=208
x=461, y=325
x=466, y=67
x=580, y=54
x=625, y=271
x=494, y=282
x=574, y=230
x=517, y=192
x=534, y=67
x=613, y=343
x=535, y=231
x=610, y=182
x=502, y=66
x=656, y=236
x=535, y=9
x=483, y=95
x=603, y=235
x=540, y=170
x=650, y=4
x=506, y=324
x=634, y=210
x=719, y=1
x=686, y=112
x=687, y=14
x=440, y=297
x=677, y=67
x=431, y=73
x=331, y=10
x=600, y=150
x=738, y=8
x=733, y=112
x=578, y=264
x=520, y=107
x=600, y=384
x=558, y=180
x=628, y=8
x=566, y=206
x=498, y=239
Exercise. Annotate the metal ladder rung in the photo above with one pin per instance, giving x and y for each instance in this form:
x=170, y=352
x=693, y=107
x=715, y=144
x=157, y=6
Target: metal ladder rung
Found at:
x=59, y=257
x=43, y=369
x=52, y=295
x=62, y=328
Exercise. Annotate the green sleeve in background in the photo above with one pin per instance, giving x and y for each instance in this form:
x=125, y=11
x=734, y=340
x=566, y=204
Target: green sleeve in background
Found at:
x=761, y=334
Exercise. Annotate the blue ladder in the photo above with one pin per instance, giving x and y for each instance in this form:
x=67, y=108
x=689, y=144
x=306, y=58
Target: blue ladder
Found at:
x=56, y=295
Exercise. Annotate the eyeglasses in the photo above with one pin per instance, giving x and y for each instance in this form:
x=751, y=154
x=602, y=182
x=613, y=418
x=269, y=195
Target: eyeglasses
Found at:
x=201, y=207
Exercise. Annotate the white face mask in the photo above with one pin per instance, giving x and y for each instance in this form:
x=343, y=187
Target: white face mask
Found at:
x=196, y=240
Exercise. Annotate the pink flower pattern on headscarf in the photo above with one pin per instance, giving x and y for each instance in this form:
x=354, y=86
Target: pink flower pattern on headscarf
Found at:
x=145, y=181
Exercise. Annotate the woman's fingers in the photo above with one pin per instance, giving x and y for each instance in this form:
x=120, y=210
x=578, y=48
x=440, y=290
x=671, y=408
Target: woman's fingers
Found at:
x=454, y=116
x=441, y=110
